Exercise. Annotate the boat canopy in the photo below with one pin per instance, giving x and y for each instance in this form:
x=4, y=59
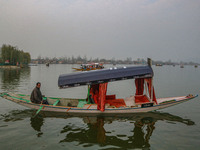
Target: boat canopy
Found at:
x=104, y=75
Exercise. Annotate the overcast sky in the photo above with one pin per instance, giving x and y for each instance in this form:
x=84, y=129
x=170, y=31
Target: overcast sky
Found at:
x=160, y=29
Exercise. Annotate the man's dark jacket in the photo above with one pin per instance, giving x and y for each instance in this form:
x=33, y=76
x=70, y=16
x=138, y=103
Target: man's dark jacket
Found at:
x=36, y=96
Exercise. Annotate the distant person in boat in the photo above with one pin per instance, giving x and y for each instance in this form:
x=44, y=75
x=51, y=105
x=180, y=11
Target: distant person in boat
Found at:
x=36, y=95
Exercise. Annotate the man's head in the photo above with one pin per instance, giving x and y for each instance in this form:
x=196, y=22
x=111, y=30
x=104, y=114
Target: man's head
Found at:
x=38, y=84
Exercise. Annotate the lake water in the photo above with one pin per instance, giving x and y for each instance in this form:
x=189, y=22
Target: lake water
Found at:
x=173, y=128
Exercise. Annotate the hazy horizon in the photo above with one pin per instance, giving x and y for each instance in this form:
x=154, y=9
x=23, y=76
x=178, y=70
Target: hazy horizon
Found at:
x=159, y=29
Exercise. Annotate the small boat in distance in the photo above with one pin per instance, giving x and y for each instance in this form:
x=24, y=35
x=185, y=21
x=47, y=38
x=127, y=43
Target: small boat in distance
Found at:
x=97, y=102
x=159, y=65
x=32, y=64
x=88, y=67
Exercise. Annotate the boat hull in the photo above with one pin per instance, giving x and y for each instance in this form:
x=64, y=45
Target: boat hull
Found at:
x=92, y=108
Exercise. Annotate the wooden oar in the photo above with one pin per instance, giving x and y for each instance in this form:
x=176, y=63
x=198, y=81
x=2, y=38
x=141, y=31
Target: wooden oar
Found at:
x=38, y=110
x=56, y=102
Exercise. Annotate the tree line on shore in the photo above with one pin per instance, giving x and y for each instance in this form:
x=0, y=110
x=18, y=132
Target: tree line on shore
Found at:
x=11, y=55
x=85, y=60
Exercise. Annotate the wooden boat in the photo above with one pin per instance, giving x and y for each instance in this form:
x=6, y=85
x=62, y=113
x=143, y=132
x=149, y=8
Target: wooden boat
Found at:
x=47, y=64
x=88, y=67
x=97, y=102
x=159, y=65
x=75, y=106
x=32, y=64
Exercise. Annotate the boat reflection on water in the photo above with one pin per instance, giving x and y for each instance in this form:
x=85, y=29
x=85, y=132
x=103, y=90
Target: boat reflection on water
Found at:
x=135, y=130
x=96, y=133
x=138, y=136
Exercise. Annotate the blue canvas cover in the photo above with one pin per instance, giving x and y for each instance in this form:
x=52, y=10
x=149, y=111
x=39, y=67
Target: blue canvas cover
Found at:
x=104, y=75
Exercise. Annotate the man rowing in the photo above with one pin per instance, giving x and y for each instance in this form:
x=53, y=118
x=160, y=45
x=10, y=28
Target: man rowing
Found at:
x=36, y=95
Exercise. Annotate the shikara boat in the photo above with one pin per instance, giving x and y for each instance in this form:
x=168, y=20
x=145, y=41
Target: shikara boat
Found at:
x=159, y=65
x=97, y=101
x=88, y=67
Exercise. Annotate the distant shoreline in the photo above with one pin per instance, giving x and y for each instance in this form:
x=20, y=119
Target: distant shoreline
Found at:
x=9, y=66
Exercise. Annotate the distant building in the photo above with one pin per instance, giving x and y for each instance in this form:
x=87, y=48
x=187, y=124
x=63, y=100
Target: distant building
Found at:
x=7, y=62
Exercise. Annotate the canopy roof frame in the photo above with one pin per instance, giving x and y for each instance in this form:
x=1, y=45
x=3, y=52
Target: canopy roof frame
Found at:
x=104, y=75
